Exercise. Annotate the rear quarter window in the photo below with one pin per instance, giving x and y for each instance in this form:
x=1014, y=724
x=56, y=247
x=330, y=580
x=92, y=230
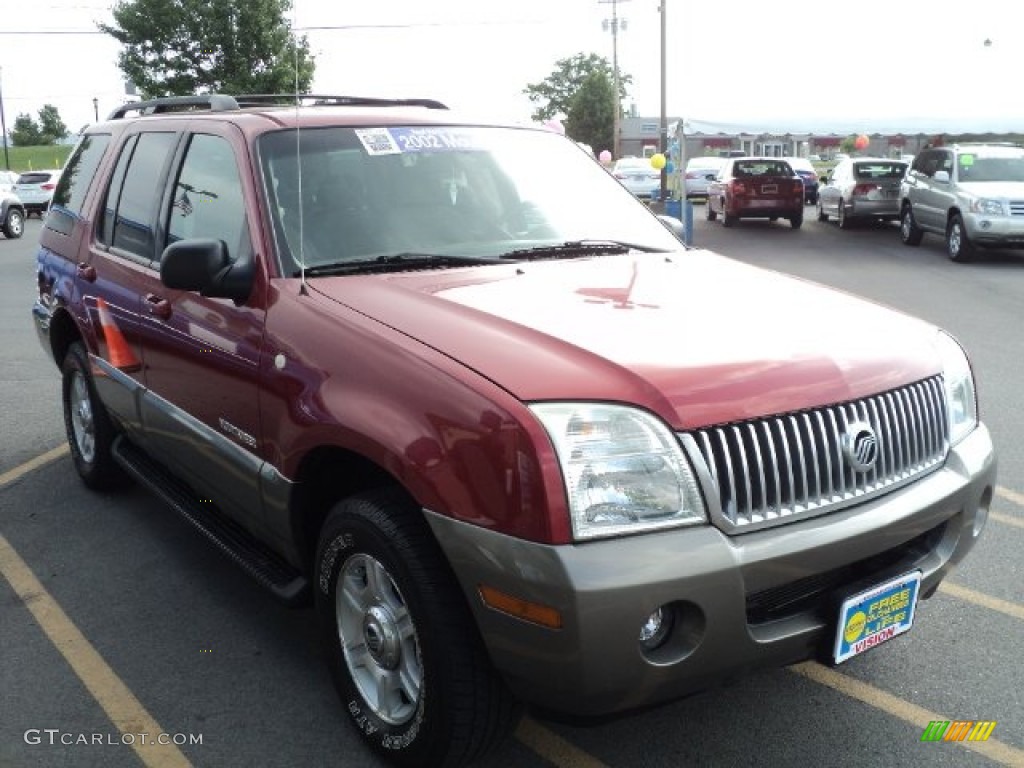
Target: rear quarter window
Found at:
x=75, y=181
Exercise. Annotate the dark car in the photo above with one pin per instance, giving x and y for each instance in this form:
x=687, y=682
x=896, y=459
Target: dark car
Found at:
x=12, y=216
x=805, y=170
x=756, y=187
x=515, y=446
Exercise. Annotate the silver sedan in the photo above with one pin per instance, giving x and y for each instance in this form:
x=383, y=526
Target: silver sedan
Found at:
x=862, y=188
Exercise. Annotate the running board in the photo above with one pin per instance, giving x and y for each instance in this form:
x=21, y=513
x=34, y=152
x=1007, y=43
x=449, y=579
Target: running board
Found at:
x=254, y=557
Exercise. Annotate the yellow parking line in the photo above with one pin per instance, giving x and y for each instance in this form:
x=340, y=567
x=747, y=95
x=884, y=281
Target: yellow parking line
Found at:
x=980, y=598
x=1016, y=522
x=1006, y=493
x=993, y=749
x=553, y=747
x=13, y=474
x=124, y=710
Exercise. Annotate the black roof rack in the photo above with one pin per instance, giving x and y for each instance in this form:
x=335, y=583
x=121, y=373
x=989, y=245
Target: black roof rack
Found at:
x=215, y=102
x=314, y=99
x=218, y=102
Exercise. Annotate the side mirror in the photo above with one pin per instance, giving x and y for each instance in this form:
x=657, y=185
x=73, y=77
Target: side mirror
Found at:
x=203, y=265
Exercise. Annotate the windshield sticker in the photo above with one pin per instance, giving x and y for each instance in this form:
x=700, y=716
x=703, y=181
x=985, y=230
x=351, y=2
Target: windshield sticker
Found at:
x=377, y=141
x=436, y=139
x=966, y=160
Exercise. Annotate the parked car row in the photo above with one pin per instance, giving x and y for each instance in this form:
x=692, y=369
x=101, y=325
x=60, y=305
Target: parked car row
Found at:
x=23, y=194
x=971, y=194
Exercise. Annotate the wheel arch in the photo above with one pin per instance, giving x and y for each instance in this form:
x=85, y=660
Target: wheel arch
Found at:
x=63, y=333
x=326, y=475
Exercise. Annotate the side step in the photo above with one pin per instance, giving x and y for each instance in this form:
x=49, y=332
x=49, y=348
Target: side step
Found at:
x=254, y=557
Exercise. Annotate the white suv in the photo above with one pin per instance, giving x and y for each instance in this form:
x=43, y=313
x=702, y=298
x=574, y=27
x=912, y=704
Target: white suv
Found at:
x=971, y=194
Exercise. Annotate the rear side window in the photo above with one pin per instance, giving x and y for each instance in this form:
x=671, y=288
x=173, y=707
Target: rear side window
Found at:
x=79, y=172
x=69, y=197
x=133, y=199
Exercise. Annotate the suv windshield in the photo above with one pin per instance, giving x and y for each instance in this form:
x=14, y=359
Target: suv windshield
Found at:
x=355, y=194
x=972, y=167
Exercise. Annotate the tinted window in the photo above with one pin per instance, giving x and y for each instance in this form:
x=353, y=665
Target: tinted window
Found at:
x=114, y=192
x=208, y=195
x=34, y=178
x=762, y=168
x=140, y=194
x=79, y=172
x=878, y=170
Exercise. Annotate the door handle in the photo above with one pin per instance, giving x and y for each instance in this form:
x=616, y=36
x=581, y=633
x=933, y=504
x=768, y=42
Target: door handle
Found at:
x=158, y=306
x=87, y=272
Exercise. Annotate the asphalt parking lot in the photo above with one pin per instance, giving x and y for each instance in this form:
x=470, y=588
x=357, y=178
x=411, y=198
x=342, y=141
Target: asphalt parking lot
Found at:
x=116, y=619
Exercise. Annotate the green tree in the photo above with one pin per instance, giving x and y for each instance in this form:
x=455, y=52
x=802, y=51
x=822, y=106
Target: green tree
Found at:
x=849, y=144
x=184, y=47
x=555, y=93
x=25, y=132
x=51, y=127
x=591, y=116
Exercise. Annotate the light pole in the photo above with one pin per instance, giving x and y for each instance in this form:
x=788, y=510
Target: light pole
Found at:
x=96, y=109
x=3, y=122
x=664, y=116
x=615, y=24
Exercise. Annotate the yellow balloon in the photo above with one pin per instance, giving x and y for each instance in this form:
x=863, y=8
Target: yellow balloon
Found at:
x=658, y=161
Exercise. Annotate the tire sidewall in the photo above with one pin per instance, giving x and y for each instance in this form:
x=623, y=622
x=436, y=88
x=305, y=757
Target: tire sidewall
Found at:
x=74, y=362
x=14, y=224
x=409, y=743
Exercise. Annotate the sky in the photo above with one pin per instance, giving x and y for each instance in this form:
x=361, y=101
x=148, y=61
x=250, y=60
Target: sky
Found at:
x=797, y=63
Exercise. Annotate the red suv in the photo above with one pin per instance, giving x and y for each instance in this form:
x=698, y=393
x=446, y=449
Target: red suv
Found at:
x=517, y=446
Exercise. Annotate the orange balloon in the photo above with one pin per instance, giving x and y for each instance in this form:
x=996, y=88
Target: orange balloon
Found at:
x=861, y=141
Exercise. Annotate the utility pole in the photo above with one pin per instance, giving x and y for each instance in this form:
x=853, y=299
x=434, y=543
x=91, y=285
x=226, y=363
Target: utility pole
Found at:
x=614, y=25
x=3, y=122
x=664, y=116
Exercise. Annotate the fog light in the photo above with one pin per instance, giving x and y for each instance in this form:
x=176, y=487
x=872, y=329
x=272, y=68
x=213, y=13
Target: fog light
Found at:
x=985, y=224
x=656, y=629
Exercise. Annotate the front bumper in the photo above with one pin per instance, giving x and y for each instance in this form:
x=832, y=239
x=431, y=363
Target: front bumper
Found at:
x=736, y=599
x=994, y=231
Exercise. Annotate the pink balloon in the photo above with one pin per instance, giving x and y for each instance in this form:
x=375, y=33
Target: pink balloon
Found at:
x=605, y=156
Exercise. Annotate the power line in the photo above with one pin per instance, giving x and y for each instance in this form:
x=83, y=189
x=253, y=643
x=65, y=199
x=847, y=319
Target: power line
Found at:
x=317, y=28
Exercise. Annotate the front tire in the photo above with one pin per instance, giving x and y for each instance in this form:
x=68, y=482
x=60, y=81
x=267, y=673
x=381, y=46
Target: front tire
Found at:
x=910, y=233
x=13, y=224
x=958, y=245
x=90, y=432
x=796, y=220
x=401, y=643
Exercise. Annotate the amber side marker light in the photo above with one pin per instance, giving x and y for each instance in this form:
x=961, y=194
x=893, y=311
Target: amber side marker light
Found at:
x=535, y=613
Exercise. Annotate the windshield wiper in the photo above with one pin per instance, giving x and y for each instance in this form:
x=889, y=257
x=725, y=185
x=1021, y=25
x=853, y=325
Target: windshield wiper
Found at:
x=393, y=263
x=572, y=249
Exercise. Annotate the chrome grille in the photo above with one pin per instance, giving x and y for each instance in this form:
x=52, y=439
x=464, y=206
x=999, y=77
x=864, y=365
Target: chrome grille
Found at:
x=1017, y=207
x=787, y=467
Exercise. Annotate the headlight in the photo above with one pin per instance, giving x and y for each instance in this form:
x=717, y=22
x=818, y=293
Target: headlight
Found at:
x=624, y=470
x=961, y=403
x=988, y=207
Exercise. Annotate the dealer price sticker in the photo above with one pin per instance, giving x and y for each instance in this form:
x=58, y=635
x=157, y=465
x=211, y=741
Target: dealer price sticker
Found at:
x=876, y=615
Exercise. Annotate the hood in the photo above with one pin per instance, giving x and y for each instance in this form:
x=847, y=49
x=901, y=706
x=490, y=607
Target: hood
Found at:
x=1013, y=190
x=695, y=337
